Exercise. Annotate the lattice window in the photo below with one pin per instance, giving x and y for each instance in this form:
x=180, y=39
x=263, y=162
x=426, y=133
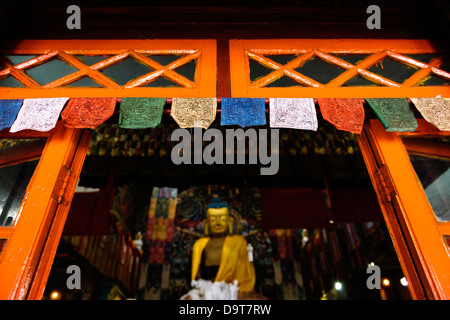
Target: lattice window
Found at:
x=338, y=68
x=182, y=68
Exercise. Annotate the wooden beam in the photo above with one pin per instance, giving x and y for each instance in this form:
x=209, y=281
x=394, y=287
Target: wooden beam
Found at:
x=223, y=69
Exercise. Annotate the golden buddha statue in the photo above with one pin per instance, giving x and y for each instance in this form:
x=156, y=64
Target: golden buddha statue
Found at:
x=222, y=256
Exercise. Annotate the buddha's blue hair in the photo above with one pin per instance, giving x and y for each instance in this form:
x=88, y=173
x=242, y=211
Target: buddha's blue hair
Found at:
x=217, y=203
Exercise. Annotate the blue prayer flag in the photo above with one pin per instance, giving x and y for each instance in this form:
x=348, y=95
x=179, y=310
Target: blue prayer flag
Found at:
x=244, y=112
x=8, y=112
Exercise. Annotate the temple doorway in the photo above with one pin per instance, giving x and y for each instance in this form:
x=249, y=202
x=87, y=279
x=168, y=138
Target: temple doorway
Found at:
x=314, y=228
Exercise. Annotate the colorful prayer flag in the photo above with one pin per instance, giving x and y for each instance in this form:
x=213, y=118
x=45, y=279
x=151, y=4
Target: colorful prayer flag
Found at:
x=345, y=114
x=434, y=110
x=38, y=114
x=394, y=113
x=298, y=113
x=194, y=112
x=244, y=112
x=8, y=112
x=88, y=112
x=141, y=113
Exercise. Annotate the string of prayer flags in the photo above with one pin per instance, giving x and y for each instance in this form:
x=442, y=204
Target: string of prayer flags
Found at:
x=88, y=112
x=294, y=113
x=141, y=113
x=345, y=114
x=8, y=112
x=394, y=113
x=244, y=112
x=435, y=110
x=38, y=114
x=194, y=112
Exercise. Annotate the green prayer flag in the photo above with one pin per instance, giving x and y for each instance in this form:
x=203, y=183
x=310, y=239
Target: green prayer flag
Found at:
x=394, y=113
x=141, y=113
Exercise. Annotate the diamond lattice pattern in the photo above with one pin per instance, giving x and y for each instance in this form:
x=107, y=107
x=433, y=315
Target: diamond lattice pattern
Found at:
x=126, y=69
x=319, y=69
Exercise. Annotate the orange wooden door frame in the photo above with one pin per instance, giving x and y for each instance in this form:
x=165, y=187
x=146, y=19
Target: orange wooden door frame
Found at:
x=328, y=50
x=33, y=239
x=416, y=234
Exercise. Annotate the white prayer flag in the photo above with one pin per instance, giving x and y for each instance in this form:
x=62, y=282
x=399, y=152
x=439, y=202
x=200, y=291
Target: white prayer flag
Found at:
x=294, y=113
x=38, y=114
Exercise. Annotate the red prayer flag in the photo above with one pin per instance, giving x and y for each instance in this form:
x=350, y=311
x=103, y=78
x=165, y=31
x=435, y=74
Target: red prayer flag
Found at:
x=88, y=112
x=344, y=113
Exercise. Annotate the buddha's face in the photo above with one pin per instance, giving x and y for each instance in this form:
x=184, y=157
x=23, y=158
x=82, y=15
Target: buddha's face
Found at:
x=217, y=220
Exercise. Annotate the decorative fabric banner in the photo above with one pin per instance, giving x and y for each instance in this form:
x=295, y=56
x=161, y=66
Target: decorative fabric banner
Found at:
x=293, y=113
x=435, y=110
x=38, y=114
x=244, y=112
x=344, y=114
x=394, y=113
x=8, y=112
x=141, y=113
x=88, y=112
x=188, y=112
x=159, y=234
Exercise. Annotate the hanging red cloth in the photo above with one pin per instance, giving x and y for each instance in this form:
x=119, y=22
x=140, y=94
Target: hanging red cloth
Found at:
x=88, y=112
x=345, y=113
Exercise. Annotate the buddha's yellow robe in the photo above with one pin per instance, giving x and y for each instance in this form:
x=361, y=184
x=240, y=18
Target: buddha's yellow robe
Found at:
x=234, y=262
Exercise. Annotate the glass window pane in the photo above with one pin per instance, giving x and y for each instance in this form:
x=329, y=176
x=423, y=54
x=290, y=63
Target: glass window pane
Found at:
x=162, y=82
x=126, y=70
x=164, y=59
x=15, y=59
x=320, y=70
x=433, y=172
x=284, y=82
x=282, y=58
x=50, y=71
x=393, y=70
x=84, y=82
x=359, y=81
x=424, y=57
x=433, y=80
x=257, y=70
x=187, y=70
x=351, y=58
x=10, y=82
x=91, y=60
x=13, y=184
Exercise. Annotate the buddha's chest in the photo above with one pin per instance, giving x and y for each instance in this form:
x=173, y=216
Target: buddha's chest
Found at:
x=213, y=251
